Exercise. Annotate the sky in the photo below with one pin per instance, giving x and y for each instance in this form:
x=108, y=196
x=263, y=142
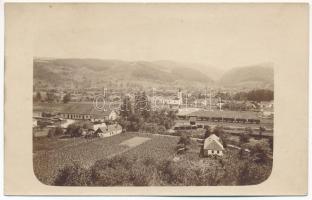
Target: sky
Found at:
x=223, y=36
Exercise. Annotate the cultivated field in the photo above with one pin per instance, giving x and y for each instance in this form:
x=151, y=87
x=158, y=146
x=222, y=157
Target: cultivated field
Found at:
x=49, y=155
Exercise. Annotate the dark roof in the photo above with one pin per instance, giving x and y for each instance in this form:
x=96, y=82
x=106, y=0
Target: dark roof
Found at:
x=72, y=108
x=85, y=108
x=226, y=114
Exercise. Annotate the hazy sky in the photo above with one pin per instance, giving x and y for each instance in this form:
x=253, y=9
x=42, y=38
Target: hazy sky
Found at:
x=217, y=35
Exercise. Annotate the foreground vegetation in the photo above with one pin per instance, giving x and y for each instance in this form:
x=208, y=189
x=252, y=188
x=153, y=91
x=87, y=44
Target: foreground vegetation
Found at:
x=148, y=171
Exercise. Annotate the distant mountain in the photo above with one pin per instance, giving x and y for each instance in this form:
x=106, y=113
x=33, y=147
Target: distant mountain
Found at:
x=257, y=76
x=86, y=71
x=97, y=72
x=212, y=72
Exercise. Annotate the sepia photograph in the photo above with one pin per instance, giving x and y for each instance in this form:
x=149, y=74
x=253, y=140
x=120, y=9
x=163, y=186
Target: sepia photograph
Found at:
x=161, y=100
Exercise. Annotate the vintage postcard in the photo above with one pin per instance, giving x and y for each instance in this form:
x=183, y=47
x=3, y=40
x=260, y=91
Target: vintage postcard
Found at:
x=156, y=99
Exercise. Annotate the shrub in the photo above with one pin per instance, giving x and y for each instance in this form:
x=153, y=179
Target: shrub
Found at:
x=74, y=130
x=244, y=138
x=53, y=132
x=73, y=175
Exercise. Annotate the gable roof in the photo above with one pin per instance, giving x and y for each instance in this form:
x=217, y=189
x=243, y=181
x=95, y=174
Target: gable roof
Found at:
x=213, y=143
x=108, y=128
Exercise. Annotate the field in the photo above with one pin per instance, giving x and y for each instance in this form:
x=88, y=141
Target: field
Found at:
x=49, y=155
x=52, y=154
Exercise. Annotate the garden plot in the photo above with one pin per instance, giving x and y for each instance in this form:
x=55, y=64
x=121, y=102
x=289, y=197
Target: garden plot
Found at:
x=135, y=141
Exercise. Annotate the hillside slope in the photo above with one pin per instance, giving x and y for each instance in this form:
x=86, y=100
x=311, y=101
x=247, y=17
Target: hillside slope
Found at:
x=258, y=76
x=63, y=71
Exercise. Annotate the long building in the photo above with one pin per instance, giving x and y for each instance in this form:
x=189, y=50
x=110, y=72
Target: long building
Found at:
x=220, y=116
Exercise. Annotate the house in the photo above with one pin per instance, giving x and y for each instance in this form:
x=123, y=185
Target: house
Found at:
x=112, y=115
x=175, y=100
x=108, y=130
x=37, y=114
x=35, y=123
x=213, y=146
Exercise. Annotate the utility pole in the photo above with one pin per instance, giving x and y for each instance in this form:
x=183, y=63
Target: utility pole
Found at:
x=206, y=97
x=210, y=100
x=154, y=99
x=220, y=103
x=186, y=101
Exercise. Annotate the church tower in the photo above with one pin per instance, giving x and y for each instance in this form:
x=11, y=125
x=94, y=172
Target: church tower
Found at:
x=180, y=97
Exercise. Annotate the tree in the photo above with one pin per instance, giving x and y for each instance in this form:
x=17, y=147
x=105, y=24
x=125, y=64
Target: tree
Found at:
x=244, y=138
x=184, y=141
x=126, y=108
x=51, y=96
x=142, y=105
x=53, y=132
x=38, y=97
x=74, y=130
x=261, y=130
x=207, y=132
x=218, y=130
x=66, y=98
x=259, y=154
x=73, y=175
x=270, y=141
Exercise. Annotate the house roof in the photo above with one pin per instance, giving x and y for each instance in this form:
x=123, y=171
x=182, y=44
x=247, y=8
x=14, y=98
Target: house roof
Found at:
x=108, y=128
x=74, y=108
x=213, y=143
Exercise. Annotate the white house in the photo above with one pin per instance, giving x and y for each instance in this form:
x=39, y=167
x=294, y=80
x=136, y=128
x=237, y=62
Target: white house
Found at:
x=108, y=130
x=35, y=123
x=113, y=115
x=213, y=146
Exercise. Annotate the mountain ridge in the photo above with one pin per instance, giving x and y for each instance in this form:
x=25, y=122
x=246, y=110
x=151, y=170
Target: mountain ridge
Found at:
x=60, y=71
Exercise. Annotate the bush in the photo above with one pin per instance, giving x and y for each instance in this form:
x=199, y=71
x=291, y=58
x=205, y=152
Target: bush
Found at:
x=54, y=132
x=184, y=140
x=74, y=130
x=244, y=138
x=73, y=175
x=260, y=154
x=126, y=171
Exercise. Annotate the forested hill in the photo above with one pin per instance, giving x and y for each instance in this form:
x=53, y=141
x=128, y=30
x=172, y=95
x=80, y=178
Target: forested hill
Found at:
x=61, y=71
x=96, y=72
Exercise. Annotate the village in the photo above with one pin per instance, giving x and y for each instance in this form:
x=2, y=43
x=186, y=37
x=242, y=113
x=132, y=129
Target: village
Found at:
x=199, y=128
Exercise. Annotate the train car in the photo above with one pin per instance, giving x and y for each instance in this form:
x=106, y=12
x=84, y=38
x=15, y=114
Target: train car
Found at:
x=200, y=126
x=228, y=119
x=205, y=118
x=216, y=119
x=254, y=121
x=240, y=120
